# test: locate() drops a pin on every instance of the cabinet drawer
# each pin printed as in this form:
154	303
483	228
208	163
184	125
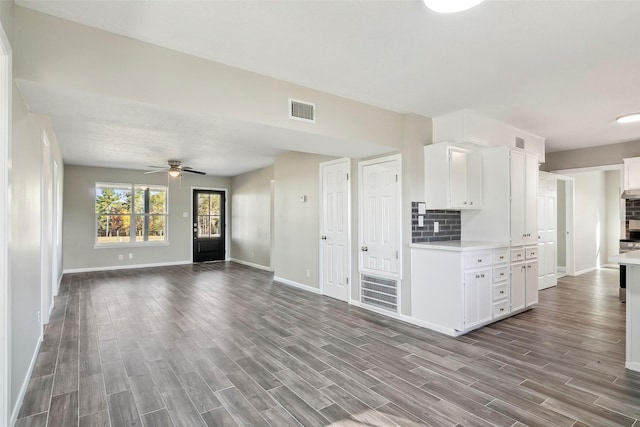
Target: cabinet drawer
531	252
500	274
517	255
501	256
500	292
500	309
477	260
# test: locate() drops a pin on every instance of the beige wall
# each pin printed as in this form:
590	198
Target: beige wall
251	217
79	218
590	157
53	51
296	226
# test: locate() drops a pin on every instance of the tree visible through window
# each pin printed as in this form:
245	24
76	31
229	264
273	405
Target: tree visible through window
122	218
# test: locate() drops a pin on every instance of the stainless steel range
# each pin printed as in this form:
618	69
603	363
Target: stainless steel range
628	245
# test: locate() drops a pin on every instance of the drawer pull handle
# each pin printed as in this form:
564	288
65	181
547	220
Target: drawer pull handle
480	260
502	309
502	292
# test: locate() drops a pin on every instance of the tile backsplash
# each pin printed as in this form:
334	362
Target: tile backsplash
449	221
633	209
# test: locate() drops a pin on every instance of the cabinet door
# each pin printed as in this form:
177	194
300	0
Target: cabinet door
517	194
474	179
518	277
530	197
632	173
457	178
478	298
531	284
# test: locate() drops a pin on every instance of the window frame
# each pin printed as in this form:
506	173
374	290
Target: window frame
133	215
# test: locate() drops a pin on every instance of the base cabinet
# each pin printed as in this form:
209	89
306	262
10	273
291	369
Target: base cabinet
454	292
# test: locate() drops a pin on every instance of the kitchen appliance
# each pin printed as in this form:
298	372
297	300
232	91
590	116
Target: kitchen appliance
631	243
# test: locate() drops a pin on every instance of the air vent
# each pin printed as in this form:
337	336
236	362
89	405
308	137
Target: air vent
300	110
379	292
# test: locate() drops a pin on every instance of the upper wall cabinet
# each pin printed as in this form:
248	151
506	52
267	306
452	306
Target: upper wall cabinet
469	126
453	176
632	173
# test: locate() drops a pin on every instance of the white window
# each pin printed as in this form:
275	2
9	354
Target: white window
127	213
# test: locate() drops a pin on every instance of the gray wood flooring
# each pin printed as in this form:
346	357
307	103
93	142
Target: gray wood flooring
223	345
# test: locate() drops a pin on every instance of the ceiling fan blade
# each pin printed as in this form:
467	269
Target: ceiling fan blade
156	171
193	171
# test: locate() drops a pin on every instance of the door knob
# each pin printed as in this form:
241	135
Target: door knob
323	237
364	249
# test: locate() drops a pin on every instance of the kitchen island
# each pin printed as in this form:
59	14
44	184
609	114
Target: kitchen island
632	261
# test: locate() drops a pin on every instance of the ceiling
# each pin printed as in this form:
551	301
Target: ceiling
563	70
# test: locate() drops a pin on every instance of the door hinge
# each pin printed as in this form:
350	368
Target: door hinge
347	280
396	254
347	177
396	177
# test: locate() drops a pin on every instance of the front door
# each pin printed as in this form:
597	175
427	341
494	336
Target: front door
208	225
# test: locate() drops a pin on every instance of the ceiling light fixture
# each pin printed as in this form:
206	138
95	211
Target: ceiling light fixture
451	6
629	118
174	172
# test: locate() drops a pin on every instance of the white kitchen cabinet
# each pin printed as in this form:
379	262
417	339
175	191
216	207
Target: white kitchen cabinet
453	176
631	173
478	297
524	193
510	183
459	286
524	280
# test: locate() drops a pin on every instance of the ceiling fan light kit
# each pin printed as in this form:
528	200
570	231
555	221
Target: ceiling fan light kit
451	6
175	169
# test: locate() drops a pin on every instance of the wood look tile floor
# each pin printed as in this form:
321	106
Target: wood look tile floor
223	345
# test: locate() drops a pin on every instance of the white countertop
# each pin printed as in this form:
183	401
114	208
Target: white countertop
629	258
460	245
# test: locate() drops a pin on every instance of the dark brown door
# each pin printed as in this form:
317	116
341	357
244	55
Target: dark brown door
208	225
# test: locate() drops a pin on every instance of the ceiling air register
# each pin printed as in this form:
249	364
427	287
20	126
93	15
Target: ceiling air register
300	110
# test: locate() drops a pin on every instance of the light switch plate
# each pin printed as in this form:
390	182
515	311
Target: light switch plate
420	220
303	198
422	208
436	227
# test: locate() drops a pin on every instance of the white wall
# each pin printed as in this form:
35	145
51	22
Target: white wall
79	252
25	241
613	191
251	218
590	220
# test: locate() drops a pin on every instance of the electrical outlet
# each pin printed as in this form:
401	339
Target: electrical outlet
308	273
120	257
130	255
436	227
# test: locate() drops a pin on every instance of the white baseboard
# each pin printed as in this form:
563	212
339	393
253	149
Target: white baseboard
610	266
634	366
124	267
25	383
586	270
297	285
250	264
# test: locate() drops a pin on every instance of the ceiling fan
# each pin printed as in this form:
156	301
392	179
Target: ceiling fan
175	169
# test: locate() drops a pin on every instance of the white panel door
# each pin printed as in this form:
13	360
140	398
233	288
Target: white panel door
380	216
335	253
547	232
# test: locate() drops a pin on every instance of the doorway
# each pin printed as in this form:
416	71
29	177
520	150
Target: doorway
209	225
